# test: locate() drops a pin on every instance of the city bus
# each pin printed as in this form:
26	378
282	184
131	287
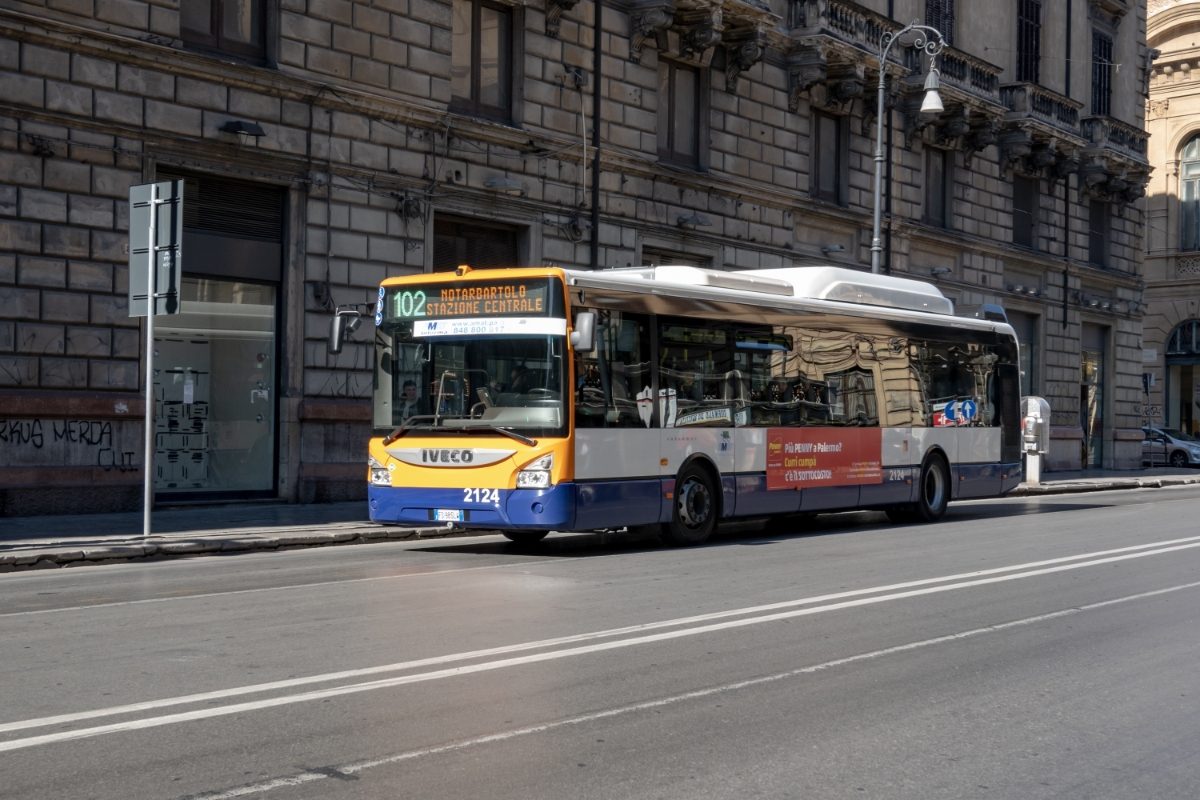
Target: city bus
674	398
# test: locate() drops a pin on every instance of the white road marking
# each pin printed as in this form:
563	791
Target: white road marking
500	736
261	589
238	691
635	636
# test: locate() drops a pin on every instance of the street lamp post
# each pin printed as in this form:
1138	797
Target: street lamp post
930	40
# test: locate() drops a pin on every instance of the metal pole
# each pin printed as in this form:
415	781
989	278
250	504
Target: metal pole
877	219
930	40
151	298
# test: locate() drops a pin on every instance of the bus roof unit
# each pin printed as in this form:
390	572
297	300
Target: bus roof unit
816	283
867	288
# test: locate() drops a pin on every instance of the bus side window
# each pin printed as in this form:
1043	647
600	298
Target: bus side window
608	378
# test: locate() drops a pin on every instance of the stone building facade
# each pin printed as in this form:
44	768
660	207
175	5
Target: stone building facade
1171	343
327	144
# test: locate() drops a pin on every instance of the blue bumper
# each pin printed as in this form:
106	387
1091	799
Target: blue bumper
536	509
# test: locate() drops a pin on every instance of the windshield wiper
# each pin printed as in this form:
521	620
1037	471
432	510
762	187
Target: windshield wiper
520	437
407	426
413	422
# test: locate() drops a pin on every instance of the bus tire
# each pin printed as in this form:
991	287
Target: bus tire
694	508
525	537
933	494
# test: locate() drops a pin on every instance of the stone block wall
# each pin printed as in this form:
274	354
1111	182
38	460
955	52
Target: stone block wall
355	103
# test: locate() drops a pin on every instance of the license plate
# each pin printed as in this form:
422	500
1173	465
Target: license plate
448	515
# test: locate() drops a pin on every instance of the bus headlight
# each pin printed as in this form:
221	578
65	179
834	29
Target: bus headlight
379	474
536	474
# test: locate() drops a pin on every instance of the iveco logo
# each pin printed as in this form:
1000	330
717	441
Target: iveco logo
447	456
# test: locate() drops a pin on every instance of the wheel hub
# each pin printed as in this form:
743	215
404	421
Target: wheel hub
695	505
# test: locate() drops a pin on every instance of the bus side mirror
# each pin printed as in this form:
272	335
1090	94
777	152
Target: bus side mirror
345	321
583	338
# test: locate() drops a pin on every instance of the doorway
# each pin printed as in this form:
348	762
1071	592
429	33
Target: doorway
215	391
216	362
1183	378
1092	358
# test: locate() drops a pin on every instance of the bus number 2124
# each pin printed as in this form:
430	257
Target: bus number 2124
481	496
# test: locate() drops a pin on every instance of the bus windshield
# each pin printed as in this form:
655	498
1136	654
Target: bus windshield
478	355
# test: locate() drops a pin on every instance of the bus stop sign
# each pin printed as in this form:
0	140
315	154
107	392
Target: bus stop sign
155	247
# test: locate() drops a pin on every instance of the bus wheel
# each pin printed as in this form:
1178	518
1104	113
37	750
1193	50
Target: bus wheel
525	537
694	517
933	495
934	492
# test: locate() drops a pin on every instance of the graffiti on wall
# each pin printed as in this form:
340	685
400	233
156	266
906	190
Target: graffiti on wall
36	442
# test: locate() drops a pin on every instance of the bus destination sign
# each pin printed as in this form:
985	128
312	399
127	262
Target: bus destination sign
530	298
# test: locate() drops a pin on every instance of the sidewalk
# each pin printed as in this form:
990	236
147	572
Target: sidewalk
80	539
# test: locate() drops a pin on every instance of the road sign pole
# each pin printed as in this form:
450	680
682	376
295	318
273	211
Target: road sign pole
151	300
155	280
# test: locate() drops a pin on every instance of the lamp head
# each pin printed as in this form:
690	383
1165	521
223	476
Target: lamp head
932	104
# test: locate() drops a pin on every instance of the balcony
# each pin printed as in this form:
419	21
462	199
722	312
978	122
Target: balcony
1046	109
835	37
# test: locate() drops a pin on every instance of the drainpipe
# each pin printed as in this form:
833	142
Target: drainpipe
597	55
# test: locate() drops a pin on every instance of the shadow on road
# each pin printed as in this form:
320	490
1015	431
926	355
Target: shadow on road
744	533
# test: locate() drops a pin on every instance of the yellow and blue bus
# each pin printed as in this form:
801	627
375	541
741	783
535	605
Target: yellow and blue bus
534	400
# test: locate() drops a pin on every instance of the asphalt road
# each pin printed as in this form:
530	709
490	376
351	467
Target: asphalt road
1026	648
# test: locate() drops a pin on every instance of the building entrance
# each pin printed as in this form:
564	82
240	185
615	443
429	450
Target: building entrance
1183	378
216	370
214	390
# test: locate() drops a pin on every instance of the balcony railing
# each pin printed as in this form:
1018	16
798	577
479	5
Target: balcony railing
1029	101
851	24
1116	135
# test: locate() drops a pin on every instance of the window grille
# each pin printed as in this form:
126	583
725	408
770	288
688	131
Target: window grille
1029	40
940	14
1102	71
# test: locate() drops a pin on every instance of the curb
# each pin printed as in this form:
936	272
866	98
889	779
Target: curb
1066	487
55	555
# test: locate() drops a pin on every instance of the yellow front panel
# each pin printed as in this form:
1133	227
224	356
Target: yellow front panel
447	463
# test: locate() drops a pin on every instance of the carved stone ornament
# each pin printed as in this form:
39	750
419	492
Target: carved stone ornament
1043	156
915	122
983	134
1016	143
1102	180
554	12
648	18
1156	109
700	29
806	66
1066	164
844	84
1110	11
953	127
743	49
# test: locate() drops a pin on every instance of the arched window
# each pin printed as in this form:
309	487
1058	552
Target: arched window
1185	339
1189	195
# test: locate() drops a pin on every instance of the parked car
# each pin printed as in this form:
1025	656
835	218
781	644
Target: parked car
1169	446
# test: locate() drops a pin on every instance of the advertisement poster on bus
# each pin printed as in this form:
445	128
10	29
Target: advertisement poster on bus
804	457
